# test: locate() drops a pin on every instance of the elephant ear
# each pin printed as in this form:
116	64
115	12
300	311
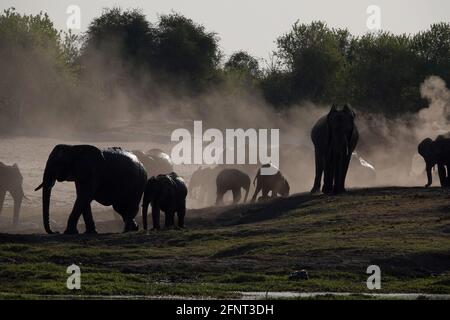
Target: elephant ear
332	111
349	110
424	147
87	160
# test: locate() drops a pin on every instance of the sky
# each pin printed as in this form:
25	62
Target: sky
254	25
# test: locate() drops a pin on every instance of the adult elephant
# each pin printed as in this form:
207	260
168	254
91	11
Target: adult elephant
111	177
437	152
11	181
234	180
166	192
275	183
335	137
155	162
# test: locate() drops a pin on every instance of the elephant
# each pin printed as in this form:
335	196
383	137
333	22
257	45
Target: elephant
437	152
155	162
166	192
202	185
335	137
110	176
275	182
234	180
11	181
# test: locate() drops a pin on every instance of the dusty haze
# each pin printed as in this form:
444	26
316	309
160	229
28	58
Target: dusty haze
142	115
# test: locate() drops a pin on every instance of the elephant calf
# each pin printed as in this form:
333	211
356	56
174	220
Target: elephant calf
234	180
166	192
11	181
276	183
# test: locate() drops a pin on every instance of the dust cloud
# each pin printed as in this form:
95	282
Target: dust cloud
107	107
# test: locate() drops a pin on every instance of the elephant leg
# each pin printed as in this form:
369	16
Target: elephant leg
2	199
219	197
328	177
255	194
237	195
169	221
131	213
131	225
17	204
265	192
319	171
155	216
442	175
181	212
88	220
343	174
75	216
127	214
274	194
447	180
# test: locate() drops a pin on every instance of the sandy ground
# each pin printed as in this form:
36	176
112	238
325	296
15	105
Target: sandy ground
31	153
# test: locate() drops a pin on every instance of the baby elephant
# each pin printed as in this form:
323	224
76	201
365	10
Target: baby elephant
166	192
274	182
234	180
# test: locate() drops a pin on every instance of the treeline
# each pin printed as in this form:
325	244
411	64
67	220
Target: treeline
379	72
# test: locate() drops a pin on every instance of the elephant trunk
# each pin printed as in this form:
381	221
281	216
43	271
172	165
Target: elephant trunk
17	204
46	192
46	186
429	175
341	152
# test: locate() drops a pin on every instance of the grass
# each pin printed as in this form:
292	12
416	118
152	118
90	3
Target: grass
251	248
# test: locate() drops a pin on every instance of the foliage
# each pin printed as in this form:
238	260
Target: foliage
30	46
123	51
378	72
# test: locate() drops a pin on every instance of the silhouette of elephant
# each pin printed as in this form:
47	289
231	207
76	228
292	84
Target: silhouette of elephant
335	137
437	152
234	180
275	182
202	185
111	177
166	192
11	181
155	162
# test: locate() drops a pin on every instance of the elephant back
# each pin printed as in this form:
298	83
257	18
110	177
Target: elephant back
155	161
173	182
124	169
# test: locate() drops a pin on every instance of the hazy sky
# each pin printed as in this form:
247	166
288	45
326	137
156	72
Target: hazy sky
253	25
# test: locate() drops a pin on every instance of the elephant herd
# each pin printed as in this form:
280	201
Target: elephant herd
119	178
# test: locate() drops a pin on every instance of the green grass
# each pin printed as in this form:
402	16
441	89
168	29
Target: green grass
251	248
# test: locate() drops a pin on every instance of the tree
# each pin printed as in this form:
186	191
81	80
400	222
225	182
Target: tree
433	49
35	68
185	52
124	35
313	54
383	74
243	63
